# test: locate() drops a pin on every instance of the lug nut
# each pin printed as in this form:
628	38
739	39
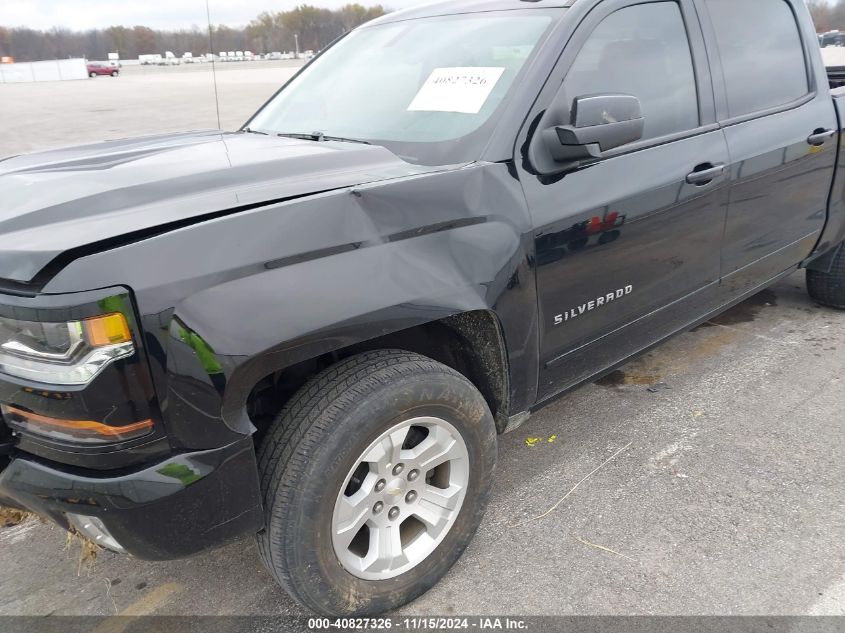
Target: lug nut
380	484
398	468
378	507
411	497
394	512
412	476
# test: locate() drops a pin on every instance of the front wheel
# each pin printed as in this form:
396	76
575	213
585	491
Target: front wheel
114	73
375	478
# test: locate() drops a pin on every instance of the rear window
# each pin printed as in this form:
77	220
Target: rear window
762	54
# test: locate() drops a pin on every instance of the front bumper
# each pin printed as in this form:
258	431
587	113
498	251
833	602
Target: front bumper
178	507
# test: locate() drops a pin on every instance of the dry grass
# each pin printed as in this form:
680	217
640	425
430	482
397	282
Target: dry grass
12	516
88	549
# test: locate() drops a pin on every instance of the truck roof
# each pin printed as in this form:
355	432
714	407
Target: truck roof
453	7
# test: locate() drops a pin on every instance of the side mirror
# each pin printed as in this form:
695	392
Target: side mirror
598	123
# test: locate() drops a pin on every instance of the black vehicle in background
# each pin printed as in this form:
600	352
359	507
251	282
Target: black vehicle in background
314	328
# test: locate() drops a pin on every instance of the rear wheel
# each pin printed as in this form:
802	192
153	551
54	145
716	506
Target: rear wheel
114	73
828	288
92	75
375	478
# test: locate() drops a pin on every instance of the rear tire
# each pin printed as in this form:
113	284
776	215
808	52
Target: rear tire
828	288
359	445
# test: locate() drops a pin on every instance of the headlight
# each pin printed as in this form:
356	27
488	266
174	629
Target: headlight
69	353
74	377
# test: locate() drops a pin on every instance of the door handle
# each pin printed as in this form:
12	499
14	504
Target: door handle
705	174
820	137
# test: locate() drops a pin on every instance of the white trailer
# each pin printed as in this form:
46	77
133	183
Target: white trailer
150	60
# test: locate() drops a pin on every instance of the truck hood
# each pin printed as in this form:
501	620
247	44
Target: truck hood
60	204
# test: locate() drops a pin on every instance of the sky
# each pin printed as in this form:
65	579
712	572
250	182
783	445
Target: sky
158	14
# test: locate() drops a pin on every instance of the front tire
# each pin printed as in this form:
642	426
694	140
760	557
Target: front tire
375	478
828	288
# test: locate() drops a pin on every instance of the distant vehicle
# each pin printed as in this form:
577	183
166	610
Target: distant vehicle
832	38
101	69
188	58
232	57
150	60
7	60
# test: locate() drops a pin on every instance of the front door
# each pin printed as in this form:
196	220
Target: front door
640	230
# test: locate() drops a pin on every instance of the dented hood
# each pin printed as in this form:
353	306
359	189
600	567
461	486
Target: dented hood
69	201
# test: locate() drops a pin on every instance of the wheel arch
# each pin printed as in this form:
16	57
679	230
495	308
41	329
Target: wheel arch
472	343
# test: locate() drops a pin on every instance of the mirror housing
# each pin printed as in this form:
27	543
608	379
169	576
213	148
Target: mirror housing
599	123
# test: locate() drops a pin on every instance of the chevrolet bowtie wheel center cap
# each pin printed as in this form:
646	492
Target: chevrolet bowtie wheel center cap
396	489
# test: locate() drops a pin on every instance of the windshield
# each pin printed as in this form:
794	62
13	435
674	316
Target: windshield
427	89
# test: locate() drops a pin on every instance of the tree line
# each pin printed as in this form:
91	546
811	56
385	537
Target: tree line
269	32
828	16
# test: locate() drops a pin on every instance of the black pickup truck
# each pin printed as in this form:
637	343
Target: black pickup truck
313	329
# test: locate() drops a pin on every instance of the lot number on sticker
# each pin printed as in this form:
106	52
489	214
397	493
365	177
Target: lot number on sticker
463	90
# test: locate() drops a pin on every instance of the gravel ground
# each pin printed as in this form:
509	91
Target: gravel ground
718	492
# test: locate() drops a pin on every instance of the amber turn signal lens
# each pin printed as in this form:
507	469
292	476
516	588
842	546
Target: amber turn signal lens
109	329
78	429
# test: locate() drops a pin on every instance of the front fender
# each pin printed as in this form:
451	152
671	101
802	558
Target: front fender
232	300
355	297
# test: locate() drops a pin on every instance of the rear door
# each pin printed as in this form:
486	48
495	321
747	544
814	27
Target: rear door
775	108
621	240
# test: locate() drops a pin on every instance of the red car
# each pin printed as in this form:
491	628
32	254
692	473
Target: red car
100	69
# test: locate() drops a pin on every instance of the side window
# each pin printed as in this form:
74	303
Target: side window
641	50
761	51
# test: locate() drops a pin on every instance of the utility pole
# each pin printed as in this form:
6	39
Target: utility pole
296	39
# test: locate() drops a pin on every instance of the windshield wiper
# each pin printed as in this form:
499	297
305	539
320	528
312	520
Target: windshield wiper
320	137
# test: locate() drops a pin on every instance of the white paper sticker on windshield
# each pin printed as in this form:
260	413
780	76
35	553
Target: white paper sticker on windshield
464	90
